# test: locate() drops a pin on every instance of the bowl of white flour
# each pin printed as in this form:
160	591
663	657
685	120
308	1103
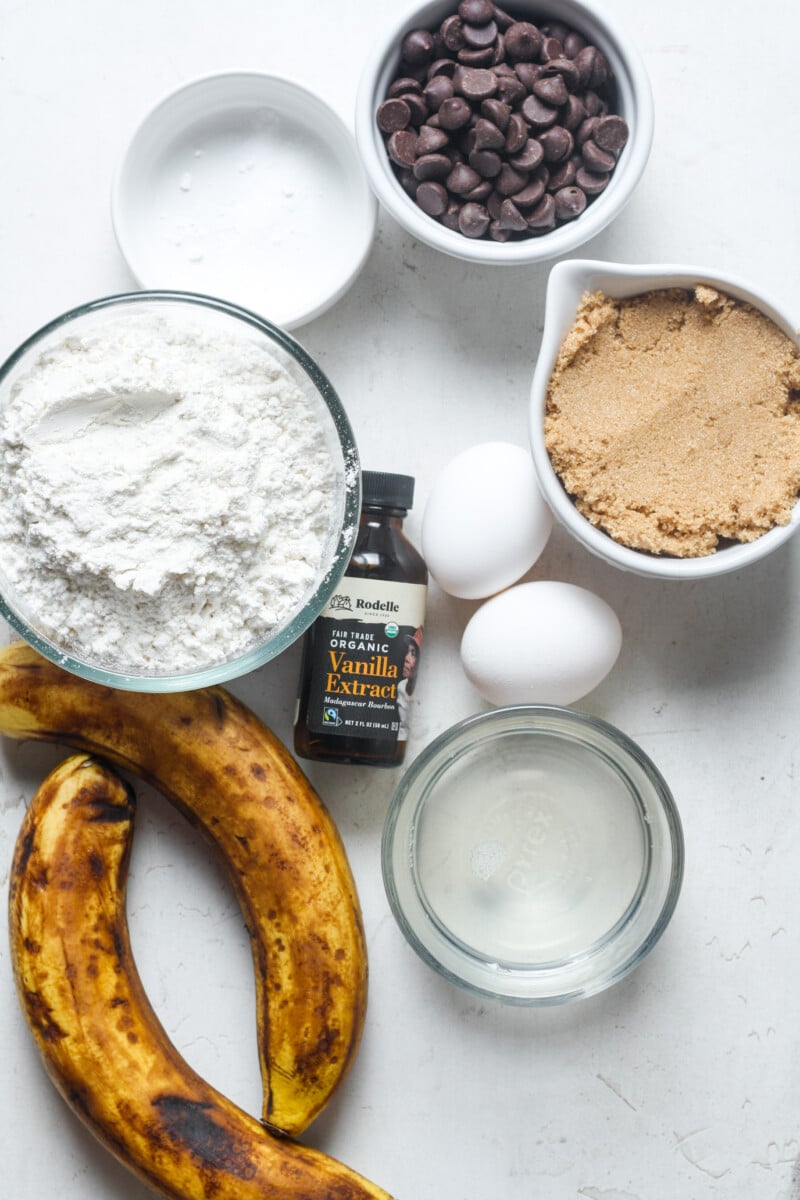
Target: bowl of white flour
179	491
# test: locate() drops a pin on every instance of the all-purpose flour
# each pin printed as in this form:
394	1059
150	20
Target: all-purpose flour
165	493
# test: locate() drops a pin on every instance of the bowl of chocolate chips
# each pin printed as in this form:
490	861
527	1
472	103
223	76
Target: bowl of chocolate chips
504	136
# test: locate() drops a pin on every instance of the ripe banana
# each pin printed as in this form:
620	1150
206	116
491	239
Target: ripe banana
100	1040
234	780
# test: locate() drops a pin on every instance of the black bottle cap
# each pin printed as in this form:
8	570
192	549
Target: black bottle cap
383	490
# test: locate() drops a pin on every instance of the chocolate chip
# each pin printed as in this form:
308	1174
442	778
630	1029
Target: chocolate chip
511	218
570	203
480	36
454	113
402	147
543	175
497	112
510	89
592	102
462	179
488	136
531	194
585	130
499	52
402	86
476	12
573	44
452	31
555	29
481	192
557	143
466	140
476	58
417	48
498	234
450	216
590	183
600	72
584	60
611	134
551	48
523	41
543	216
516	133
600	162
564	174
478	85
537	114
473	220
442	66
494	203
530	156
574	112
432	198
510	181
418	108
393	115
430	140
436	91
432	166
407	181
551	90
528	73
486	162
565	69
503	19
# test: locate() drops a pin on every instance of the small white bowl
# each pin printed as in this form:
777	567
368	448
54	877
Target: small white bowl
248	187
634	103
567	283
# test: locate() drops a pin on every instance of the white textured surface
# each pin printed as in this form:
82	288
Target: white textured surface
683	1082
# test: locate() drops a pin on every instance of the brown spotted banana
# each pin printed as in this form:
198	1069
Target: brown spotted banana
100	1040
234	779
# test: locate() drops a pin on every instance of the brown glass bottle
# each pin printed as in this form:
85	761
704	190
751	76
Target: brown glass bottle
361	656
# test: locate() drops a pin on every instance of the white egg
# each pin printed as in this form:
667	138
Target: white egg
540	643
485	522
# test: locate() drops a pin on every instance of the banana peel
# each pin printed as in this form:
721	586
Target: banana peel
234	780
98	1036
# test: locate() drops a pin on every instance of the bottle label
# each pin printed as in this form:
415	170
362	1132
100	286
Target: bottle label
368	643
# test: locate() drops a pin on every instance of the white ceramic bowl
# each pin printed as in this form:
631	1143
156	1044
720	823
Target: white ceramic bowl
567	283
249	187
635	104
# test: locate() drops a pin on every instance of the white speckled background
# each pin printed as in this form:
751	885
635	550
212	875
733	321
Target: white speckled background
684	1081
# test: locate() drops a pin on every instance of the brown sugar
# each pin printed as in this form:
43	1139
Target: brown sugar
673	419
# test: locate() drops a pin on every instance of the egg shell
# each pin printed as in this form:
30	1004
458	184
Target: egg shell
485	522
540	643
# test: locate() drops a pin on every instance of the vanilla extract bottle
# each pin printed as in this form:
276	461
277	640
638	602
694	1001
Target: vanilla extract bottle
362	655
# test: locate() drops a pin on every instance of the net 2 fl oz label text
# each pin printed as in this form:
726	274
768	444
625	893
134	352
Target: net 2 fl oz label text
367	654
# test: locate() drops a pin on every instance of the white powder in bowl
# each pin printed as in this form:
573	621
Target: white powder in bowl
166	494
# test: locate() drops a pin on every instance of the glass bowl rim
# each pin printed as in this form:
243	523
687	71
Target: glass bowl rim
262	653
517	985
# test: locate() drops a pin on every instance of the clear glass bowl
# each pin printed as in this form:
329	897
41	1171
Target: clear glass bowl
218	316
533	853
